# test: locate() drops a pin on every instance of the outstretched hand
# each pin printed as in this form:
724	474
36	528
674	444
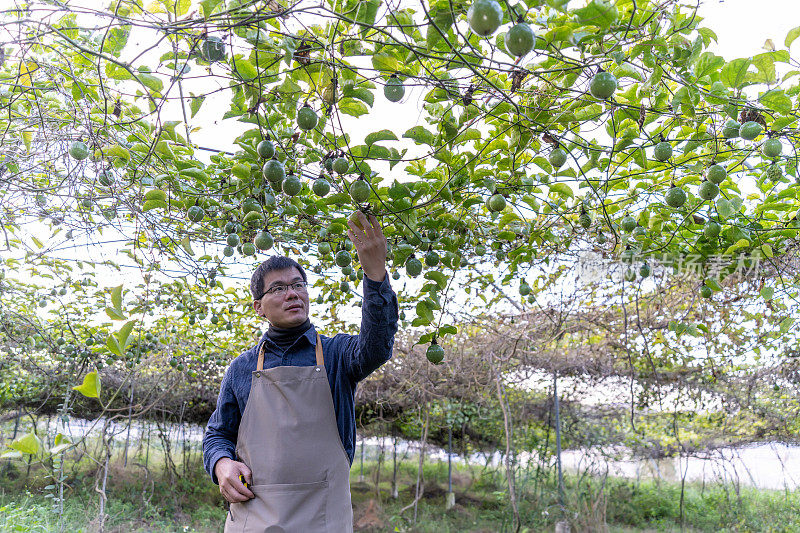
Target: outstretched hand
370	244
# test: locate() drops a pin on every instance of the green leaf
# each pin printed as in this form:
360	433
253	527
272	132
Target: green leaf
117	39
123	334
180	7
776	99
765	63
55	450
734	73
27	137
786	324
626	70
351	106
448	330
438	277
420	135
117	151
724	208
90	386
151	82
708	63
116	297
360	93
424	313
741	243
194	104
116	72
793	34
443	19
113	345
597	13
767	293
60	444
209	6
11	454
383	135
28	443
562	189
386	63
186	244
245	69
115	314
366	13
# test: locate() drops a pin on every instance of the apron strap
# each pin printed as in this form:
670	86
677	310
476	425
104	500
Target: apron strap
320	358
260	365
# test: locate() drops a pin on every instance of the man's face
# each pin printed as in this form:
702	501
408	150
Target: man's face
287	309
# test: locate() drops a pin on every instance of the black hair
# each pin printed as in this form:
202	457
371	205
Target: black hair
276	262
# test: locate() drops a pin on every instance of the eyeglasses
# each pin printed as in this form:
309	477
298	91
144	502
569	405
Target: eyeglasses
280	290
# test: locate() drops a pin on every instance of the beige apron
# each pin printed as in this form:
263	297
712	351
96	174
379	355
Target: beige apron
289	439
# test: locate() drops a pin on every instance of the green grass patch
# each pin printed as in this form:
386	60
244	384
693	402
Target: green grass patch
147	496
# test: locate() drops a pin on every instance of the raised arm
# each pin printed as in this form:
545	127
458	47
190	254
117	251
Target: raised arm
379	312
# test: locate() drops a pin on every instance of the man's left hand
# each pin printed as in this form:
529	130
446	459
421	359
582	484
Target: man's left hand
370	243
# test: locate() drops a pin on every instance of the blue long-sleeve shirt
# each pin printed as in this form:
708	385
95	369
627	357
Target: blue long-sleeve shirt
348	360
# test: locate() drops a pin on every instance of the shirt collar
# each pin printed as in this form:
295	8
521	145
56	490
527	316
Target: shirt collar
310	334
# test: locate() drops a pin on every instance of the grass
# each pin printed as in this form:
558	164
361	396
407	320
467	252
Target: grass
150	499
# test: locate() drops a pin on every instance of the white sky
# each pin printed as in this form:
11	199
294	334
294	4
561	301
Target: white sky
744	25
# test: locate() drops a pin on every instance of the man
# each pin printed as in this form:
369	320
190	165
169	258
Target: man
285	416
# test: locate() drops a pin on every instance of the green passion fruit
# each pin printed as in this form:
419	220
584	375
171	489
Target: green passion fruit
394	89
274	171
705	291
359	191
662	151
340	165
343	258
306	118
413	267
708	190
675	197
485	16
213	49
772	148
196	213
435	354
431	258
603	85
263	240
321	187
731	129
78	150
716	174
750	130
496	202
557	157
628	223
520	39
265	149
711	230
292	185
